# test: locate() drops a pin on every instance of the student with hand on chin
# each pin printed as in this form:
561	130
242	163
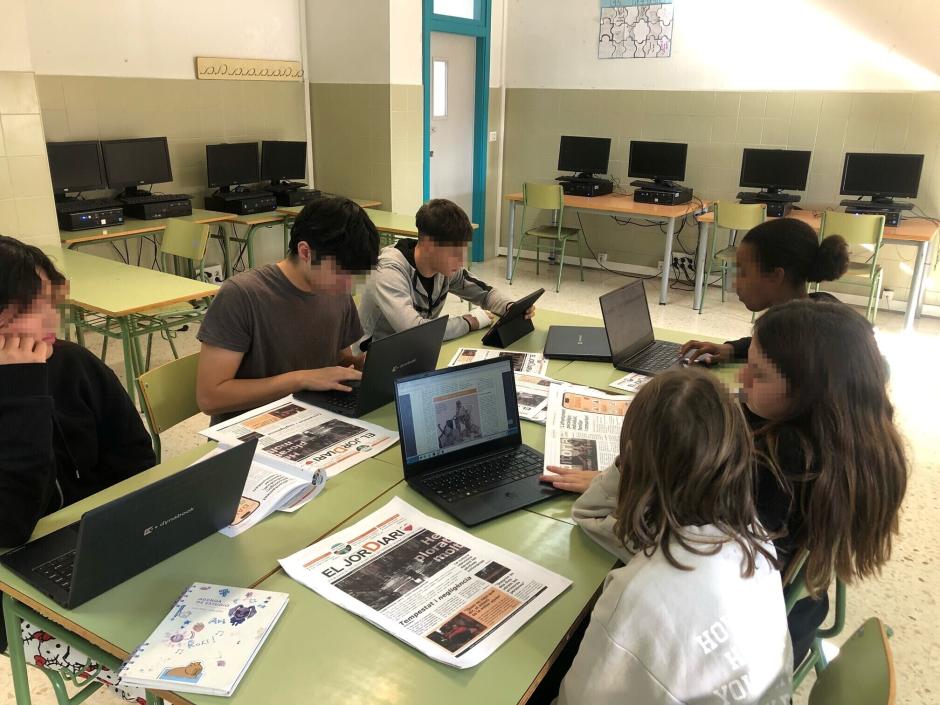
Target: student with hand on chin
413	278
286	327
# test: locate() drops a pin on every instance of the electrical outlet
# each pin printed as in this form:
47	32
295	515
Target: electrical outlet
602	258
887	297
493	136
212	274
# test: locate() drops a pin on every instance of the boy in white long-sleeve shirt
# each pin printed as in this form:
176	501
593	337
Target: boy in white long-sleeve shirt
696	615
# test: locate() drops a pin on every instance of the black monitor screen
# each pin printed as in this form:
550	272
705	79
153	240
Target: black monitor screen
136	162
584	154
75	166
228	164
881	174
657	160
775	168
283	160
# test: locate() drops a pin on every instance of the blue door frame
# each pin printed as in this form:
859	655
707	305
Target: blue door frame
479	28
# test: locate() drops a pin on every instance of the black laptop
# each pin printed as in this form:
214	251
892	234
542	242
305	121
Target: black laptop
408	352
74	564
461	444
630	332
577	343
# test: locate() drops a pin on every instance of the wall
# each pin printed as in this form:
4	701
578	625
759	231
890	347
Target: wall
348	41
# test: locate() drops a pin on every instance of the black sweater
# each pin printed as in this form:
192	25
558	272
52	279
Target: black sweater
67	430
742	344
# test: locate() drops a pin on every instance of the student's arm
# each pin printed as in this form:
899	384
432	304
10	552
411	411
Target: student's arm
27	462
725	352
217	390
469	288
594	512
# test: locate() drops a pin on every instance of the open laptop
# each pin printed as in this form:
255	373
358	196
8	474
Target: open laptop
74	564
630	332
408	352
461	443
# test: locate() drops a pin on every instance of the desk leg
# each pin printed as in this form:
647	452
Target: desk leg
16	652
917	282
931	257
132	363
250	246
667	262
512	235
226	253
700	266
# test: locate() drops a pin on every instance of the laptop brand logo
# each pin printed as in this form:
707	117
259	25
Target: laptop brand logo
150	529
580	340
403	365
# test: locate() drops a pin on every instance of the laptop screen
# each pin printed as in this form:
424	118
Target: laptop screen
627	319
457	411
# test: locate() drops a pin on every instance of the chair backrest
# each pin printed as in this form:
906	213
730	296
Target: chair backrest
794	582
169	393
543	196
857	229
185	239
862	673
739	216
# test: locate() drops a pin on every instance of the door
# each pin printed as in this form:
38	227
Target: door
453	83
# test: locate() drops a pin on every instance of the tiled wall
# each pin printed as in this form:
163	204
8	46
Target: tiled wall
26	206
717	126
407	129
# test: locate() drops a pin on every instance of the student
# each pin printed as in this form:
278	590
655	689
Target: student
774	264
286	327
696	614
413	278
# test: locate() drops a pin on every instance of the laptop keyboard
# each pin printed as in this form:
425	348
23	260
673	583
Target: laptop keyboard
347	401
59	570
481	476
656	357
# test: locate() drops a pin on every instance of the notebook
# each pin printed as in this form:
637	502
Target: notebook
207	641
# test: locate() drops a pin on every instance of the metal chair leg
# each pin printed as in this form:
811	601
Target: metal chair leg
561	264
580	258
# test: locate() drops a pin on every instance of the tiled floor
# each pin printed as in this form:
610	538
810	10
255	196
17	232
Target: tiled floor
904	595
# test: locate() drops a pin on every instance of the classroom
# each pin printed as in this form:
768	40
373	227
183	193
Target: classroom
356	351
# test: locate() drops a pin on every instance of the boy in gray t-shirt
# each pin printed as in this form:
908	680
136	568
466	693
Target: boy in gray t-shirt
285	327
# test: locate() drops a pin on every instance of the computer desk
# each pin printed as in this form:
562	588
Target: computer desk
614	204
915	232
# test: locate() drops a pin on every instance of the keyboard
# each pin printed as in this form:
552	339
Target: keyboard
241	195
90	204
59	570
155	198
346	401
656	358
479	476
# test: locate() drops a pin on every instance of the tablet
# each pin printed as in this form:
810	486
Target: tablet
513	324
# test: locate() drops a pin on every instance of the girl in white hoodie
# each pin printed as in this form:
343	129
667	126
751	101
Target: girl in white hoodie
697	614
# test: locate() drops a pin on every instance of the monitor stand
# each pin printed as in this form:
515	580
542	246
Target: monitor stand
133	192
64	197
879	204
770	195
661	185
585	177
280	186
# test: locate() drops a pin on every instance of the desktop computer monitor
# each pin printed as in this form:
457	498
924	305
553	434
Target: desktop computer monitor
282	161
881	176
230	164
75	166
130	163
585	155
660	161
775	170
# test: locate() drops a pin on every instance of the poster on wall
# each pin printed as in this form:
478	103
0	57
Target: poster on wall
635	29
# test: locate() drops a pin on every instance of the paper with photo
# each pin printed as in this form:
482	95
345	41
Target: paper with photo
439	589
268	490
631	382
529	363
296	436
532	396
582	429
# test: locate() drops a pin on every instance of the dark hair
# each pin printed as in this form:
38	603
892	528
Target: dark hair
20	282
855	466
444	222
794	246
686	459
337	227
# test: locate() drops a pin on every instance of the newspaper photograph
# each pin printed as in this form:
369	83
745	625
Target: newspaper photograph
532	396
268	490
529	363
631	382
582	429
296	436
439	589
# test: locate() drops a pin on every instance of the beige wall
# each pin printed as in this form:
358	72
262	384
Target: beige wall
26	207
717	126
407	130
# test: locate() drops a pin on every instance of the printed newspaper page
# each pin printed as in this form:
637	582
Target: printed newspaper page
583	427
268	490
530	363
532	396
296	436
448	594
631	382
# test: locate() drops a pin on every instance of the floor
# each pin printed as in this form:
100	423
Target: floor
904	596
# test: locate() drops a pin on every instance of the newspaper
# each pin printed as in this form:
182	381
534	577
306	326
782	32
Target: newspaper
631	382
300	437
583	427
532	396
530	363
442	591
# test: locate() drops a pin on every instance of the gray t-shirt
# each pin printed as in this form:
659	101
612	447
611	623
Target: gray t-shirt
278	327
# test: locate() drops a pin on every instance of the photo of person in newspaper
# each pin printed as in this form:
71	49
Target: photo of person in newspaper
579	453
456	632
458	417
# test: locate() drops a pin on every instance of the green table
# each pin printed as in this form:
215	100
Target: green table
349	661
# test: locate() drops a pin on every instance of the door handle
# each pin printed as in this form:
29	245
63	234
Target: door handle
432	153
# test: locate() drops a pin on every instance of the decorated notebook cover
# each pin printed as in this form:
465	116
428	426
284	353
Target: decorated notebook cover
207	641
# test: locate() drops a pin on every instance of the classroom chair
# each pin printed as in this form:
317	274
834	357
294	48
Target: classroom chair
864	235
549	197
862	673
733	217
168	395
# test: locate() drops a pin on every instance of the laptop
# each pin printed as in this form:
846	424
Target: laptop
630	332
577	343
461	443
75	564
408	352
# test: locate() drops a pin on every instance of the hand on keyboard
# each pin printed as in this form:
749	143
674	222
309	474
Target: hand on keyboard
326	378
569	479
